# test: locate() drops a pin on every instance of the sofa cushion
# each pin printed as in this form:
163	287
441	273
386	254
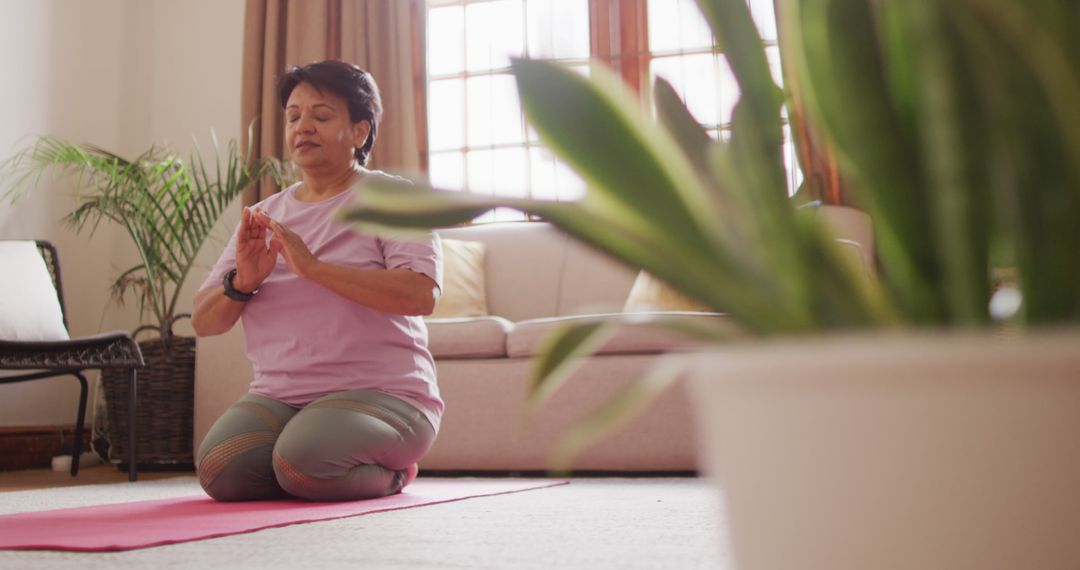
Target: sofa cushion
468	337
528	337
651	294
526	259
589	283
463	292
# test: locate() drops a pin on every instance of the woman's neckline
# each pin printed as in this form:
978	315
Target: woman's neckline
296	188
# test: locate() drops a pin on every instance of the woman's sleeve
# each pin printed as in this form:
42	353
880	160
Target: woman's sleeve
422	255
224	263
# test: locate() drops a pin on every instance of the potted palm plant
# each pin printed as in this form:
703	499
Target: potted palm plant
168	207
955	124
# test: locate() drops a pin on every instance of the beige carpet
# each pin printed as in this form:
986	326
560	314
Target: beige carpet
591	523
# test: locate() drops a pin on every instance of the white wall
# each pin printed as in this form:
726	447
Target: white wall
122	74
191	106
185	83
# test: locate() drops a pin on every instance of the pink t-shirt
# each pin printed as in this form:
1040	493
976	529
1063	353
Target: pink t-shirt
305	341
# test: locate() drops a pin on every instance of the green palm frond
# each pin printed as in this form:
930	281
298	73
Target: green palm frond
167	206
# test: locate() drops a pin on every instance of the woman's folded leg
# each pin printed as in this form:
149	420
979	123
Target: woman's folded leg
234	462
352	445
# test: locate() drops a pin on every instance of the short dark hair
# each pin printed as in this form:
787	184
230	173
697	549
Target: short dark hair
356	86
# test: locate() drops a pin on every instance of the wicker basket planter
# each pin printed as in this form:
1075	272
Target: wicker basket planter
164	406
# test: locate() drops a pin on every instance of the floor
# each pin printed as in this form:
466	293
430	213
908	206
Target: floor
594	522
94	475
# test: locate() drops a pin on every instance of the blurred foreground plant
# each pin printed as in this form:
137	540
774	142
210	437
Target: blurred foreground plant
955	122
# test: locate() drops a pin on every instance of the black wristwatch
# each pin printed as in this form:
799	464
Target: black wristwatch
233	293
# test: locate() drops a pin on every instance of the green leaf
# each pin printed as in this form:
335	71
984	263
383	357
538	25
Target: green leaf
1046	55
950	113
850	99
690	135
718	281
738	38
1035	181
631	168
582	336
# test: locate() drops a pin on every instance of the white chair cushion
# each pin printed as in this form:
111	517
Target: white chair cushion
29	307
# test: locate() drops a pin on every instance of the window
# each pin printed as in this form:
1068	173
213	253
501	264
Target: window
681	50
477	136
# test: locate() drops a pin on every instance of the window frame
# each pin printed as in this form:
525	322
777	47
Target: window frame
618	38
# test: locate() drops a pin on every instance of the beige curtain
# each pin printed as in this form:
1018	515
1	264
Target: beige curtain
382	36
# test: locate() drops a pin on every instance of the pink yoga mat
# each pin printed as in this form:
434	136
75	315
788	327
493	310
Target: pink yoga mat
128	526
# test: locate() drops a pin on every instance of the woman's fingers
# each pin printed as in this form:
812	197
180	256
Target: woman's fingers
282	241
290	245
259	222
245	223
279	229
266	221
274	226
251	225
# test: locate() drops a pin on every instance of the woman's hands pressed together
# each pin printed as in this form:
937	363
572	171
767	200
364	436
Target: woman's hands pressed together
398	291
214	312
255	258
291	246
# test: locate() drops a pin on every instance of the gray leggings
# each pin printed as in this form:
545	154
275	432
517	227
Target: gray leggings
344	446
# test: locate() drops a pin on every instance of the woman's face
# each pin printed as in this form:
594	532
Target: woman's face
318	130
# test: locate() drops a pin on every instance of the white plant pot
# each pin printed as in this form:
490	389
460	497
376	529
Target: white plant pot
883	452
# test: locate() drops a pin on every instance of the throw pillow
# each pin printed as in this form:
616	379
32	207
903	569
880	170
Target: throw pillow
29	308
651	294
464	293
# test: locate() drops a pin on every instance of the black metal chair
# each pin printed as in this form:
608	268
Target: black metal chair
47	359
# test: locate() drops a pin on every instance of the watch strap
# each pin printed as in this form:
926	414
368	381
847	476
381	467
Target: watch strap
231	292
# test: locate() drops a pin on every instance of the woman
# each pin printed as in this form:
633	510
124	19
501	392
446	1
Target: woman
343	402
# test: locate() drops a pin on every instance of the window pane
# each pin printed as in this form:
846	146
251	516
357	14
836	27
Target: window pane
446	40
552	179
705	83
558	29
499	172
510	171
762	11
677	25
446	120
447	170
494	32
494	111
727	88
694	29
663	25
542	170
500	215
773	55
791	162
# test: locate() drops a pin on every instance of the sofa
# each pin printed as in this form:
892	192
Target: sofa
536	279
